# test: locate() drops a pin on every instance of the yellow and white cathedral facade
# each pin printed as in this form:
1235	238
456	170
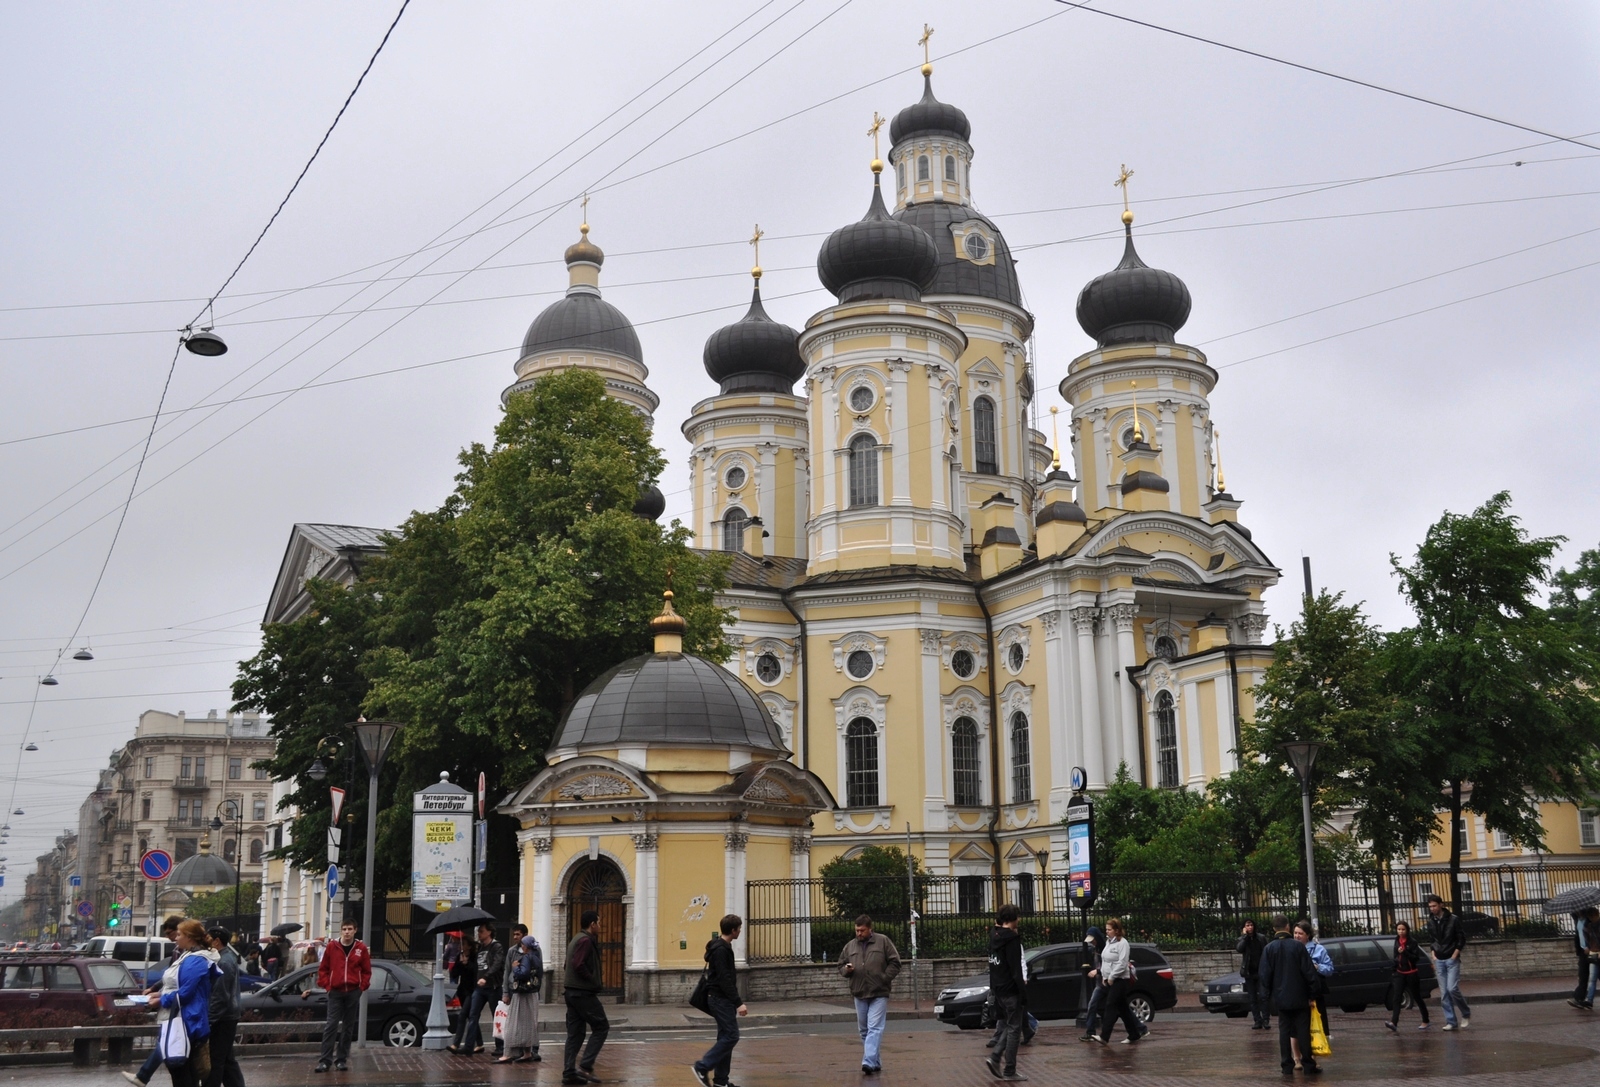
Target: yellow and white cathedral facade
937	616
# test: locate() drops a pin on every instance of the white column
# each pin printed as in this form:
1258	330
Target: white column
1168	417
1065	748
940	498
933	802
1122	616
800	898
1195	772
1094	763
646	895
733	888
766	497
899	410
542	893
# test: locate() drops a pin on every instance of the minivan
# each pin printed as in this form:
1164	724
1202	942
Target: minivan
137	952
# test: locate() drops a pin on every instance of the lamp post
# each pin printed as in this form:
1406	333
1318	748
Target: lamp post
374	738
1303	756
317	772
238	846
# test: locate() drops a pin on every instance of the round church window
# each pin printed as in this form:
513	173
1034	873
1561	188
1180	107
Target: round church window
768	668
859	664
976	245
1017	657
734	478
1166	648
962	664
861	399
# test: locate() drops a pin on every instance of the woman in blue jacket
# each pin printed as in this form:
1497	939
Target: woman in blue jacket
186	991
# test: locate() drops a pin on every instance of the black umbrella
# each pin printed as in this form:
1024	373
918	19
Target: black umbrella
461	917
1573	900
284	930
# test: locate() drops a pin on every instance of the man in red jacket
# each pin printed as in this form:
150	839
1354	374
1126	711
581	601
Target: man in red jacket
344	973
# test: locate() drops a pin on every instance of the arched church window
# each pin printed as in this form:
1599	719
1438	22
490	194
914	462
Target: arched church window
863	471
1021	759
983	439
227	851
861	763
1166	741
964	763
1166	648
255	850
900	172
922	167
949	167
734	523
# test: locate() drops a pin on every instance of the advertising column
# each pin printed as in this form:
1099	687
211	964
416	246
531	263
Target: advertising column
441	876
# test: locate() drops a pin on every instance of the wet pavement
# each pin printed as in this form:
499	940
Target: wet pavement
1509	1045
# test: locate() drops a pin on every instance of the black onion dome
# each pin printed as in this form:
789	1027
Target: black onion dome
878	257
929	117
673	699
754	354
957	276
1133	302
582	321
651	504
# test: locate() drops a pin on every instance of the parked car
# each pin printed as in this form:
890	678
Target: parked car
397	1007
1362	967
61	981
1474	925
1058	987
137	952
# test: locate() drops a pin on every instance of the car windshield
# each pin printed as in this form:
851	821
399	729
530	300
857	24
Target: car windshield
110	974
407	976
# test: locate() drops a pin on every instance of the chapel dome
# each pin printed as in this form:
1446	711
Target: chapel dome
1133	303
204	869
671	699
929	117
754	354
582	320
878	256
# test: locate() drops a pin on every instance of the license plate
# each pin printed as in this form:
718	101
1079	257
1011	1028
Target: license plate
938	1009
1213	999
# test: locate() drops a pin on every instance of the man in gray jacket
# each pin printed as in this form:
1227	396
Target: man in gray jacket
224	1013
870	963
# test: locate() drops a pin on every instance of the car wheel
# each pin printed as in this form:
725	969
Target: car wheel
403	1032
1142	1007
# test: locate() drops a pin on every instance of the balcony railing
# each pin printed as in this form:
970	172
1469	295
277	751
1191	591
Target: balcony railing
190	783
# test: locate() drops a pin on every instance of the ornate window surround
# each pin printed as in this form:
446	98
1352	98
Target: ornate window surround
966	701
863	640
961	639
754	649
1015	634
1158	628
782	711
861	701
1017	697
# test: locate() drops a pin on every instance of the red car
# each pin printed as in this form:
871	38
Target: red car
61	981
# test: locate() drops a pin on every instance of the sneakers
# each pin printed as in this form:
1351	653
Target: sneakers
1448	1026
341	1066
702	1078
322	1066
1423	1026
1013	1076
1391	1028
1084	1037
1134	1040
993	1066
1464	1024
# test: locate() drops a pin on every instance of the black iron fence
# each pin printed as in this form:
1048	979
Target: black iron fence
810	920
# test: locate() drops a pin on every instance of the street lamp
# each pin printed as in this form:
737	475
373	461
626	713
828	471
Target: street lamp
238	847
374	738
1303	756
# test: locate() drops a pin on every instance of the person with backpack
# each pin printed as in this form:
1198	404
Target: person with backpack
524	975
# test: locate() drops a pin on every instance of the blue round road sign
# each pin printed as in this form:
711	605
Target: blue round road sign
156	864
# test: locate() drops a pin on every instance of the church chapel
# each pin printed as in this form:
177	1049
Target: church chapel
940	610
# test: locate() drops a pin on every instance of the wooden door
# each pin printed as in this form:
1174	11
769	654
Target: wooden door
598	885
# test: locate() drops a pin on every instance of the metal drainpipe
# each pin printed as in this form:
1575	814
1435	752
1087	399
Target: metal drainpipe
994	736
1139	701
800	687
1233	701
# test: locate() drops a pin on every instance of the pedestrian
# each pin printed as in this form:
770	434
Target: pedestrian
1586	942
186	994
225	1070
1008	984
1444	928
1095	943
581	982
488	974
869	963
251	964
1116	975
463	970
503	994
1407	977
711	1070
344	974
1249	948
524	976
1324	964
1289	979
153	975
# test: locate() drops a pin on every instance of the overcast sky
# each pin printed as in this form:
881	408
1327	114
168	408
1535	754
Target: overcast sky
1399	299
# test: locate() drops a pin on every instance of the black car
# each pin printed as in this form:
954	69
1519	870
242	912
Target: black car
1058	986
397	1007
1362	967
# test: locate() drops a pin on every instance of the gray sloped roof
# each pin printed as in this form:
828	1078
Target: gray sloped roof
958	276
338	537
582	321
669	698
202	870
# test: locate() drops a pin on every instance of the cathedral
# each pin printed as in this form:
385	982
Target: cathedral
942	613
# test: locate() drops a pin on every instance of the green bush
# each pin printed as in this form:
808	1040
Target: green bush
1530	930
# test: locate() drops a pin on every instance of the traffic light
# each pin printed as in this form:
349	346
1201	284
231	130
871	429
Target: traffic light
114	919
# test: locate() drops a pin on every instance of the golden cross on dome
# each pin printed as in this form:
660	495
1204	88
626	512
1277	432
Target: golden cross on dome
877	123
755	240
1122	183
927	33
1138	431
585	227
1055	431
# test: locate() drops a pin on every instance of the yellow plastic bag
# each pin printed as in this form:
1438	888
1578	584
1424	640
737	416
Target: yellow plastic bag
1319	1037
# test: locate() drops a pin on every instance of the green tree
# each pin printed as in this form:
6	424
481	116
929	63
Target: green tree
872	881
1502	692
1575	600
212	904
486	617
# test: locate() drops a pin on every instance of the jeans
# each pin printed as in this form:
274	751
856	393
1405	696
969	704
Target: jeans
719	1057
1096	1006
871	1013
1579	993
1594	977
225	1070
1258	1001
151	1063
1450	998
472	1019
344	1007
1029	1029
584	1011
1294	1023
1015	1014
1116	1007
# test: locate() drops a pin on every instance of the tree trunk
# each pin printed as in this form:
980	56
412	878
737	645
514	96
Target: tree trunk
1455	846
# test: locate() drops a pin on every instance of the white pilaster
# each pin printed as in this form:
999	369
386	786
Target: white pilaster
1195	771
1094	763
1122	616
1065	742
733	884
646	898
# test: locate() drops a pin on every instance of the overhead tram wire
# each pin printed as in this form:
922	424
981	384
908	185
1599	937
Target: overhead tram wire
1081	5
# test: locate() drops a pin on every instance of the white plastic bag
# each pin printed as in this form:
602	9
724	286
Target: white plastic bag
502	1012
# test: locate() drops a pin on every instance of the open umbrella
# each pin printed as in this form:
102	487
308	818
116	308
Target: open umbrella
461	917
286	929
1573	899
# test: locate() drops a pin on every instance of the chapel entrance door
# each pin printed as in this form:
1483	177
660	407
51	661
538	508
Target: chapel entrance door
598	885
